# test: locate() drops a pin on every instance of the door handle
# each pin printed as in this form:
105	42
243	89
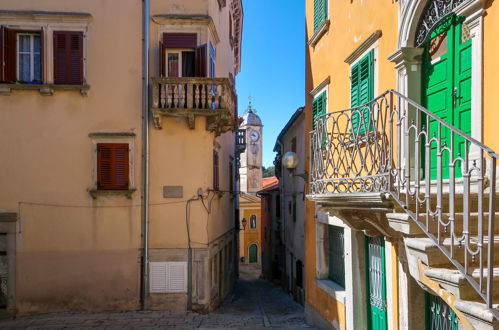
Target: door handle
454	96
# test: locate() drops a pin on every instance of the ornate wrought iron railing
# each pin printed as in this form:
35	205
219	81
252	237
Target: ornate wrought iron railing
193	93
443	178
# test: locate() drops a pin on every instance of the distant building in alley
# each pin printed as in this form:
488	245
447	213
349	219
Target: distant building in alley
272	261
250	173
101	208
292	204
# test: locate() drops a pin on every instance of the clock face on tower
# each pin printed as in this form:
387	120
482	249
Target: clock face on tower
254	136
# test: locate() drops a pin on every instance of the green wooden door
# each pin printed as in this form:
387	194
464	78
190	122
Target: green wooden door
253	253
376	283
447	89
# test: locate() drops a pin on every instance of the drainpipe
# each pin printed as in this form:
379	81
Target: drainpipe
144	292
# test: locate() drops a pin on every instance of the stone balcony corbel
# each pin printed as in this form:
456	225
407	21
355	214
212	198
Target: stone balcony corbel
363	211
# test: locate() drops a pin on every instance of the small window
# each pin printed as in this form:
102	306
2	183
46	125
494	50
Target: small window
113	166
253	222
180	55
293	144
21	56
299	273
278	206
29	58
320	13
216	171
294	208
336	255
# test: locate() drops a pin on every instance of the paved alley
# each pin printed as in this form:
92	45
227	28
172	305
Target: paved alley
255	304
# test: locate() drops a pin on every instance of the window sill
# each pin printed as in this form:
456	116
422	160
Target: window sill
332	289
99	193
44	89
323	28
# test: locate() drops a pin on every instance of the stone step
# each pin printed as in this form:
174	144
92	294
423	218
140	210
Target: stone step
453	281
402	222
425	249
479	315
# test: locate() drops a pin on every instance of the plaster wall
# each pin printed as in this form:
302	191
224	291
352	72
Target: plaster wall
74	252
490	74
351	24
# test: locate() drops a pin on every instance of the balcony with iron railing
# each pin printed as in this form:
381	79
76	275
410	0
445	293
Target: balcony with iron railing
188	98
394	156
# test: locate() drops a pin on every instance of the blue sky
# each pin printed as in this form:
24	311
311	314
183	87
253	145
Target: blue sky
273	64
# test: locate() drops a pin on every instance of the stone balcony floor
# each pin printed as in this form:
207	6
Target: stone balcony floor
255	304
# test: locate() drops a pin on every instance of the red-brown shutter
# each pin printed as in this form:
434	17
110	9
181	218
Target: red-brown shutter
68	57
216	171
180	40
112	166
7	55
201	58
162	59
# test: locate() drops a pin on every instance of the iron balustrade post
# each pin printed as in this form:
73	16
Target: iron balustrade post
490	252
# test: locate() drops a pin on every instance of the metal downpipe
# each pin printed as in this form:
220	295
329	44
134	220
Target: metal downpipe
144	292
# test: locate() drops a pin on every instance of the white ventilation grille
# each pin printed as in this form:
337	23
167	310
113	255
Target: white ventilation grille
168	277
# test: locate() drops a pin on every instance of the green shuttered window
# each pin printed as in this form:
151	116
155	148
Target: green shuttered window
362	91
319	106
320	13
336	253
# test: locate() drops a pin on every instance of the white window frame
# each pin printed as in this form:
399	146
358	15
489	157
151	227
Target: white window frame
177	51
31	52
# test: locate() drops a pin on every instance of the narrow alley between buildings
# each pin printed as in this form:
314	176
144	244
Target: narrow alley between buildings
255	304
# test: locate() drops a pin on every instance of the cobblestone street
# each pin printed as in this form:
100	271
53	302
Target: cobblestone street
255	304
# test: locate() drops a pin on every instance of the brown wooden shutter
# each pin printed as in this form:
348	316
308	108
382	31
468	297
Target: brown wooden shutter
201	58
68	57
216	171
162	59
7	55
112	166
180	40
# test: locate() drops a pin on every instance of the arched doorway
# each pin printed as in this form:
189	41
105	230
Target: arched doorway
253	253
446	87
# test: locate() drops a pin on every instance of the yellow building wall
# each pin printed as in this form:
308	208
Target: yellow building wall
248	235
75	252
352	22
490	76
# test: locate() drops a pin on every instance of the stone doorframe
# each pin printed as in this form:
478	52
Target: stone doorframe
408	58
8	225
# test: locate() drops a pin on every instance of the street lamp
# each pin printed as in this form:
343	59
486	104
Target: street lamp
290	161
244	221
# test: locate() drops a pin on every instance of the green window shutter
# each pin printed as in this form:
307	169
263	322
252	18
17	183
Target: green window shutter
362	91
320	13
319	107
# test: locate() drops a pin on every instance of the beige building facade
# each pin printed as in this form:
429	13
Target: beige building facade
72	211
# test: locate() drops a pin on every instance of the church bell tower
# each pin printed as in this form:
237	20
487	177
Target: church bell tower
251	159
